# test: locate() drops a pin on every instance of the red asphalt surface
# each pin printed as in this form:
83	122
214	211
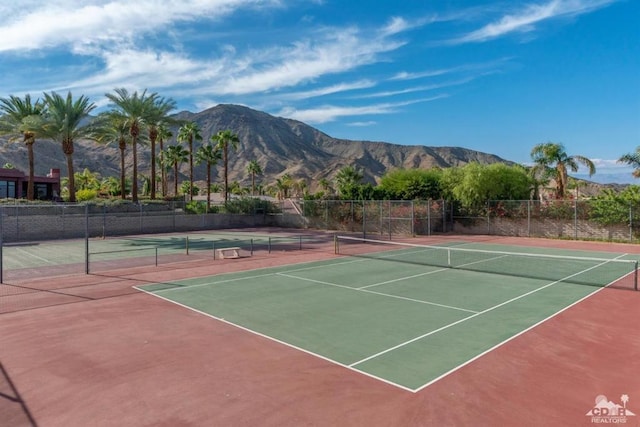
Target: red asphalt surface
98	353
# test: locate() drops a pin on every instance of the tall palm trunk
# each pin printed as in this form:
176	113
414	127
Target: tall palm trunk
153	135
134	131
208	185
226	173
175	179
67	149
163	173
122	145
29	139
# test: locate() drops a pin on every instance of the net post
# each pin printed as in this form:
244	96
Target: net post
300	242
269	244
336	250
251	241
156	256
186	244
635	276
213	245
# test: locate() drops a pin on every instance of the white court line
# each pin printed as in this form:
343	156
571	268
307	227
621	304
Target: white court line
286	344
422	387
376	293
430	272
257	276
324	264
36	256
352	366
373	356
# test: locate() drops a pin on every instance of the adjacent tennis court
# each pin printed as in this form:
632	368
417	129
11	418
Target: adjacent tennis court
404	314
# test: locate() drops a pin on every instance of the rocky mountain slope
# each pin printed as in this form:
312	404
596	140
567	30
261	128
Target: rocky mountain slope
279	145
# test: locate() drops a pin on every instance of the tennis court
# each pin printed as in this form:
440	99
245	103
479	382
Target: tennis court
39	259
404	314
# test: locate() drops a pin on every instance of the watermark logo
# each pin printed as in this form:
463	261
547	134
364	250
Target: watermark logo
607	411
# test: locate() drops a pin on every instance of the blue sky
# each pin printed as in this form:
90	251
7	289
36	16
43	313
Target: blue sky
493	76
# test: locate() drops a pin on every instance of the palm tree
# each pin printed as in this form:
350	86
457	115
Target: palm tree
633	160
347	179
87	180
552	158
223	139
163	134
174	155
112	127
63	123
188	133
254	169
135	109
20	119
210	155
156	119
283	185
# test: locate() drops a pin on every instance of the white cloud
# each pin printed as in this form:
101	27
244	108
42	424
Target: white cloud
362	124
45	24
304	61
328	90
525	20
416	89
328	113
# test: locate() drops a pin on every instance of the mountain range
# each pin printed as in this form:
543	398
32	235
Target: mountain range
279	145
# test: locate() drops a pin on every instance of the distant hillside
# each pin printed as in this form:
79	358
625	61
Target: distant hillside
279	145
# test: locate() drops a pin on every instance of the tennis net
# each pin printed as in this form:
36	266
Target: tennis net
615	272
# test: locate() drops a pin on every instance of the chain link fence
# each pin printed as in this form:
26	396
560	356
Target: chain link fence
567	219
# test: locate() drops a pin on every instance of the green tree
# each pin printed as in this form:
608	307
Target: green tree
254	169
135	110
20	118
175	155
348	179
164	133
111	186
223	140
474	184
633	160
209	155
411	184
87	180
188	133
550	156
283	185
157	120
63	122
111	127
326	187
614	207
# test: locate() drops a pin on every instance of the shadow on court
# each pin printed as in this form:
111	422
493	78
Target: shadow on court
13	408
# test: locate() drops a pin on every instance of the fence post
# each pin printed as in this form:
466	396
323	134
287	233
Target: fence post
413	219
630	222
575	219
429	217
528	218
488	217
364	221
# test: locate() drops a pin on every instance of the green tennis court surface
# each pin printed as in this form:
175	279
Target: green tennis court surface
387	315
50	253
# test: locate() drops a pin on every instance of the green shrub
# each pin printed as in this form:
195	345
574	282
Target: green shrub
86	195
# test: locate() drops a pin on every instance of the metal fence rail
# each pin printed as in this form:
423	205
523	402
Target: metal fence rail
571	219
